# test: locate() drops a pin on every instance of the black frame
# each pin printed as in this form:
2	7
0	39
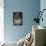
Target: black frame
19	16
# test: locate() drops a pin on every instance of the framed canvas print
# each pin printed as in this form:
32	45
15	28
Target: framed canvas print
17	18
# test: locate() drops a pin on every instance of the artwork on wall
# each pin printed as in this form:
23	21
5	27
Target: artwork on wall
40	16
17	18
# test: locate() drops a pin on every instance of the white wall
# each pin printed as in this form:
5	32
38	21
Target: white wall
1	20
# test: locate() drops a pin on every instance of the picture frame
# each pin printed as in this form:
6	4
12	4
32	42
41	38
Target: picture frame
17	18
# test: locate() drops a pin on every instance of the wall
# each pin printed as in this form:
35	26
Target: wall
1	20
29	7
43	6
